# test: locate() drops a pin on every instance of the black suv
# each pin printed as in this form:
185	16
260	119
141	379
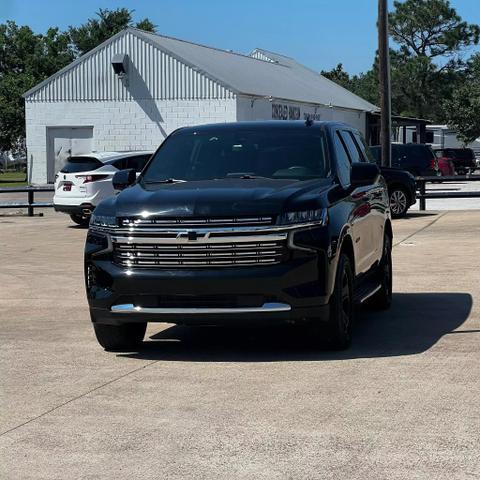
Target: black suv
242	223
401	185
416	158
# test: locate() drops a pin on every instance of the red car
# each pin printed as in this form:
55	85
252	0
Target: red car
463	159
446	166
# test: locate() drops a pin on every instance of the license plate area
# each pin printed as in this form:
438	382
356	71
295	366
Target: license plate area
67	187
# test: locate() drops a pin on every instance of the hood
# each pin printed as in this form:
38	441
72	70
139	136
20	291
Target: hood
223	197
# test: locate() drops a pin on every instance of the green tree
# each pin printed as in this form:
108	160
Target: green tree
109	22
364	85
25	59
431	37
462	110
430	28
426	66
338	75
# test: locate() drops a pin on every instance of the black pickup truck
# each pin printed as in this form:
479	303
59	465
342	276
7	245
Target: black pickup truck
242	223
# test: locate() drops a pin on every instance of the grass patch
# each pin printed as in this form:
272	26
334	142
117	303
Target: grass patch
12	179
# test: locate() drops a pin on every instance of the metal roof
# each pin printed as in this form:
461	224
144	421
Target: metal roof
328	87
269	75
283	78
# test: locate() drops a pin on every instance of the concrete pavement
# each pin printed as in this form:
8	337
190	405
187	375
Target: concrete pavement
402	403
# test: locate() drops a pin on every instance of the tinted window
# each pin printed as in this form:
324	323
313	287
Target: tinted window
81	164
137	163
272	153
343	161
420	153
362	144
461	153
352	148
376	153
119	163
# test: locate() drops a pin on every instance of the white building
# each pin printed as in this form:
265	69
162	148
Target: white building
158	84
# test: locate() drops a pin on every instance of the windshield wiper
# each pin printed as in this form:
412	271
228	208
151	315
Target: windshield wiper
247	176
166	180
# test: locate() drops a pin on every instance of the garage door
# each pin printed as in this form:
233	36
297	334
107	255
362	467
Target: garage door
62	143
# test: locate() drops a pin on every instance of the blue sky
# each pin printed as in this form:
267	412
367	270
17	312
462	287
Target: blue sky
318	33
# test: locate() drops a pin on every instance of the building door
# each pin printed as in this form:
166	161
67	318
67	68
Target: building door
64	142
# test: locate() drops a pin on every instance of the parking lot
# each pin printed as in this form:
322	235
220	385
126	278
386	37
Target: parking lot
403	402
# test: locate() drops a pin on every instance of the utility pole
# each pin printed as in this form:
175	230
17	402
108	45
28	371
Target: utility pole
384	83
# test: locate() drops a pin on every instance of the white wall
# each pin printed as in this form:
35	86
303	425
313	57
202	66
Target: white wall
263	109
117	125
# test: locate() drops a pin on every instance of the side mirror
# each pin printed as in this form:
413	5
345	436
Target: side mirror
363	174
124	178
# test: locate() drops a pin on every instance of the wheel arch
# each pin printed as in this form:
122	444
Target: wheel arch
346	247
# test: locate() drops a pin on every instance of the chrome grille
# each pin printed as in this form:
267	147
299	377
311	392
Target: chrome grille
224	253
147	223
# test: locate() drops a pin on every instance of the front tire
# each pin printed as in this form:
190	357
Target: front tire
82	220
120	337
398	202
340	324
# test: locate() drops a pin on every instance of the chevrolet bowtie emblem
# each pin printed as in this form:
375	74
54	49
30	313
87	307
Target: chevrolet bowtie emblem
192	236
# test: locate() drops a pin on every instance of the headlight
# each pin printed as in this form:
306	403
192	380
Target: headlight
318	216
102	221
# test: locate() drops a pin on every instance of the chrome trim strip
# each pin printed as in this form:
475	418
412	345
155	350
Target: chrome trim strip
182	221
211	230
266	307
179	239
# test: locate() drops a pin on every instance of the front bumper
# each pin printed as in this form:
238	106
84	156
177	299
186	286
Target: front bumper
292	291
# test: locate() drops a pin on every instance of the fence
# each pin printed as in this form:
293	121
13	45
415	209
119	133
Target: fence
30	204
423	195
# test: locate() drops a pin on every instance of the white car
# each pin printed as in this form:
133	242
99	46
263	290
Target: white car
86	179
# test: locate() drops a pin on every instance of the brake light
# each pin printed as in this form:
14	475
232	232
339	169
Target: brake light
92	178
434	163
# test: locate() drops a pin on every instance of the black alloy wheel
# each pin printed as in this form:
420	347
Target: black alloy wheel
340	324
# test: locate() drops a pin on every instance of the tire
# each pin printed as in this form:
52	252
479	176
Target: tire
340	323
82	220
120	337
382	300
399	204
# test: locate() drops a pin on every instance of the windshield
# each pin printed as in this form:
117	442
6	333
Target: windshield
273	153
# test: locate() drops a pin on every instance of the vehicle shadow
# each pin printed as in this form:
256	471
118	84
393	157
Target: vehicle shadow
415	322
